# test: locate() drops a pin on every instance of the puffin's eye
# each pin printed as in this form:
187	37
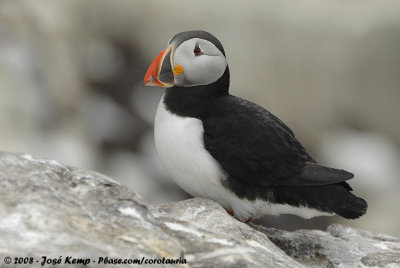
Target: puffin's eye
197	51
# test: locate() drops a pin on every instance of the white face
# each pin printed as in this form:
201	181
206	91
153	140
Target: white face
201	68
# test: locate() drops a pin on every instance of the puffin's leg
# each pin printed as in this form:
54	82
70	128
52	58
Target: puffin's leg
230	213
233	215
248	220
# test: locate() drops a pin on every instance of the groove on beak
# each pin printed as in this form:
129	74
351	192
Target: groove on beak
159	73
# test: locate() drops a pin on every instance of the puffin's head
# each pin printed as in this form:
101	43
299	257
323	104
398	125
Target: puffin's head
192	58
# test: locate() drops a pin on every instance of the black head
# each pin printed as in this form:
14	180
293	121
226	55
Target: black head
184	36
192	58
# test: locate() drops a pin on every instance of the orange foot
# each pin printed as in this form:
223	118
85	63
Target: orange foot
233	215
230	213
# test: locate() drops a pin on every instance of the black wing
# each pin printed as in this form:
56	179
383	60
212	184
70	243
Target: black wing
256	148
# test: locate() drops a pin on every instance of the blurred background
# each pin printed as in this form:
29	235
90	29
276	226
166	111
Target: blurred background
71	86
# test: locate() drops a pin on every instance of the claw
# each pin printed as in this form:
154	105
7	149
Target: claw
233	215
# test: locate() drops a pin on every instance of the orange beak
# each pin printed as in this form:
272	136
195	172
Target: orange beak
160	74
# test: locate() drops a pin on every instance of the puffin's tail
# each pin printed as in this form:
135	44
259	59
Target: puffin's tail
338	198
326	189
335	198
350	207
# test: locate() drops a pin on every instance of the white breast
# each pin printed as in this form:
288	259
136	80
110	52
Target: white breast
179	142
180	145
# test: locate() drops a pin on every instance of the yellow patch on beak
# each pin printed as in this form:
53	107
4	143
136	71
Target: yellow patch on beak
177	69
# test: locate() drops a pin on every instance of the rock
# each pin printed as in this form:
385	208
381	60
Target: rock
211	237
338	246
49	209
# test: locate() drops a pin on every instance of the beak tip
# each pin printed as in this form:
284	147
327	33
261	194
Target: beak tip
150	82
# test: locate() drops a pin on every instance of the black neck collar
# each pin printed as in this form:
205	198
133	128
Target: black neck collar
192	101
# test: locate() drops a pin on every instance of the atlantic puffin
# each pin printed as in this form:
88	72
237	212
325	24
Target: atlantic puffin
221	147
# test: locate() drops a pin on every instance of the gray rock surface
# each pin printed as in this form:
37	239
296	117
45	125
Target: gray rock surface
338	246
49	209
